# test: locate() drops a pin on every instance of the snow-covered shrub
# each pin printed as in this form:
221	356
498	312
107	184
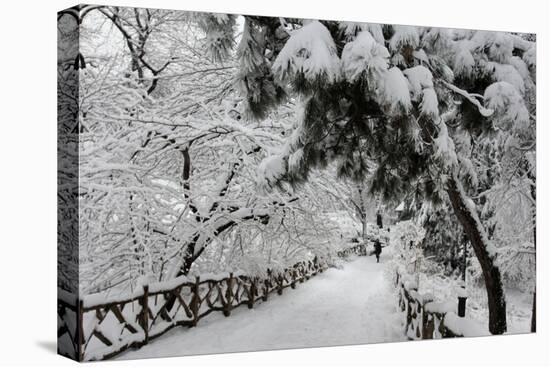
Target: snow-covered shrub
405	237
518	266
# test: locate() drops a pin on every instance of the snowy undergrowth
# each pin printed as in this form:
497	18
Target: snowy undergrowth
446	288
432	280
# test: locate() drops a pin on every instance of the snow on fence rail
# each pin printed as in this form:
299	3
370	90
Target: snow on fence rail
426	319
359	250
96	328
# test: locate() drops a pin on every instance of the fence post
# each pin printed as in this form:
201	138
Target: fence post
409	315
266	290
427	325
252	293
428	322
462	297
418	319
280	284
195	301
80	330
293	275
267	284
144	317
228	296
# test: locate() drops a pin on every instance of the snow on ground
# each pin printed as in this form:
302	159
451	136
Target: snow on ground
518	308
353	305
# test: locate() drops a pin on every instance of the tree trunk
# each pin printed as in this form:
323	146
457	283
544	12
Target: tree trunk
379	219
364	224
188	259
534	314
469	219
533	178
361	208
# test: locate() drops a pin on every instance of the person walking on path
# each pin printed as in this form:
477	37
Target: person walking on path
377	249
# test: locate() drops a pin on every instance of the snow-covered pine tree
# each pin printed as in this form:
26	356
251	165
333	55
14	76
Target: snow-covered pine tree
393	97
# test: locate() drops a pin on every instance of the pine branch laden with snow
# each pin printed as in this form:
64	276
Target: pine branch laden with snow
464	62
309	53
429	106
260	94
510	111
352	29
271	170
364	54
219	30
445	148
394	92
419	78
404	36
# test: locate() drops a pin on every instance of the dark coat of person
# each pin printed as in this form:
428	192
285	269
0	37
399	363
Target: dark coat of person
377	247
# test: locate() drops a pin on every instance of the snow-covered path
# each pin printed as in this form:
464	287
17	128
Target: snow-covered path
354	305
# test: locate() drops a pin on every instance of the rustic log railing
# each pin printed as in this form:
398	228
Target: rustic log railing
359	250
96	328
426	319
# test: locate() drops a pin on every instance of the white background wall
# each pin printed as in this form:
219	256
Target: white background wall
28	181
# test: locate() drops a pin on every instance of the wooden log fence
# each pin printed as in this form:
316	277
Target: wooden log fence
358	250
95	328
427	319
